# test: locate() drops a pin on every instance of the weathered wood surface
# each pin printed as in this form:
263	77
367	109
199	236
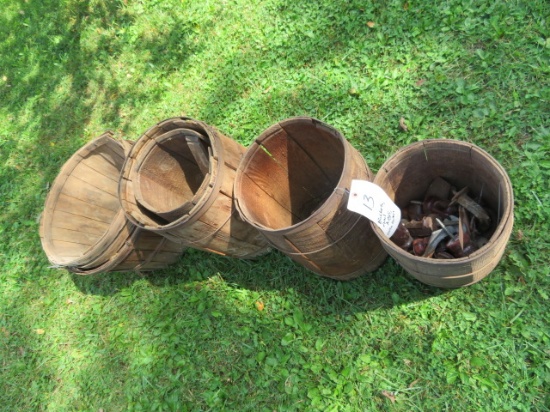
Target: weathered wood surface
168	176
142	251
83	227
82	204
293	183
200	215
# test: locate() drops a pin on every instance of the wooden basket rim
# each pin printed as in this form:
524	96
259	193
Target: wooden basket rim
506	219
207	198
322	210
53	196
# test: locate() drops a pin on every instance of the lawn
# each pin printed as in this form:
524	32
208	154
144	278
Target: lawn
214	333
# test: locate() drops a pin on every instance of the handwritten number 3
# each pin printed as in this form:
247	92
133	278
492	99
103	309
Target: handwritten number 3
368	202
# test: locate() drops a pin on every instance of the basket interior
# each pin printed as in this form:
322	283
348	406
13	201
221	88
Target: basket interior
83	202
408	174
169	175
290	171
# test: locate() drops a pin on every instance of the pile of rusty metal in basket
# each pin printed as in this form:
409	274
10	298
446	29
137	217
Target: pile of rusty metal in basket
446	224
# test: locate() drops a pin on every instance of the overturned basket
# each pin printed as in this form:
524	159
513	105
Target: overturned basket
83	227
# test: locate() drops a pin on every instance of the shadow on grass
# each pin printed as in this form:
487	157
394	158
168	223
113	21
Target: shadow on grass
56	85
60	71
330	30
60	63
387	287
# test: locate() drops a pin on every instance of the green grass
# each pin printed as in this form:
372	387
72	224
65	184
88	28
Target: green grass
191	337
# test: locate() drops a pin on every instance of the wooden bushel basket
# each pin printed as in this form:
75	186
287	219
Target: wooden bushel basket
406	175
83	226
178	182
142	251
293	185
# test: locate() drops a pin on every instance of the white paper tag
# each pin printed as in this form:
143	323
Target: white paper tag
371	201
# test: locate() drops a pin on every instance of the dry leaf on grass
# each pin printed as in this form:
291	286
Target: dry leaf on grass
389	395
402	124
259	305
519	234
413	383
371	24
